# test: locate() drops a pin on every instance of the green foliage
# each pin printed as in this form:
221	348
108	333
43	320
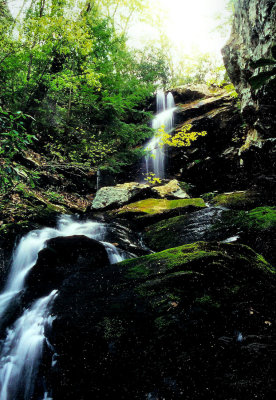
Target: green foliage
14	140
196	68
225	19
68	65
231	90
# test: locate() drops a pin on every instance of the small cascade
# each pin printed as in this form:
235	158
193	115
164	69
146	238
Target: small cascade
22	349
98	179
155	160
25	255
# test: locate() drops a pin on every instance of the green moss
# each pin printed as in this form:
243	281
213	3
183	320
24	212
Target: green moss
113	328
165	234
162	322
185	186
206	300
156	206
167	260
258	219
261	262
38	202
236	200
261	218
194	258
208	196
235	289
7	228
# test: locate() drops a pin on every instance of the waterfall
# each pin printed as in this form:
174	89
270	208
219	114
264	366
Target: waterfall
21	350
155	159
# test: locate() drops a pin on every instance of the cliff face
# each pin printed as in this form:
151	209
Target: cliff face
253	36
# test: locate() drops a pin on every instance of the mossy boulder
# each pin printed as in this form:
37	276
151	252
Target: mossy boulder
195	319
240	200
184	229
257	219
157	206
256	227
149	211
198	256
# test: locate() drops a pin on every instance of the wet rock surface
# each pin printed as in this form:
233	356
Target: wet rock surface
185	229
192	321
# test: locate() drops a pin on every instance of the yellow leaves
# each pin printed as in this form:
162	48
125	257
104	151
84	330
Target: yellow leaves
152	178
183	138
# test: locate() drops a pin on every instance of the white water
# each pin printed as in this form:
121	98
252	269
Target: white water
155	159
22	349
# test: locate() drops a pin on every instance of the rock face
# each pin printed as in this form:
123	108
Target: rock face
194	319
253	36
211	162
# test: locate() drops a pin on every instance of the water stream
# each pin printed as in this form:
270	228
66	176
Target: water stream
154	161
21	350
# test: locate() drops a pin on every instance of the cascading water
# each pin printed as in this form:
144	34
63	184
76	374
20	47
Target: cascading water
22	348
155	159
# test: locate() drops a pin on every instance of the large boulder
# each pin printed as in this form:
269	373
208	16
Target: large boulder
148	211
114	196
191	321
62	257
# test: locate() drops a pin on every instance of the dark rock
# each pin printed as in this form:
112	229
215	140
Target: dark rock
63	257
156	326
208	163
185	229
